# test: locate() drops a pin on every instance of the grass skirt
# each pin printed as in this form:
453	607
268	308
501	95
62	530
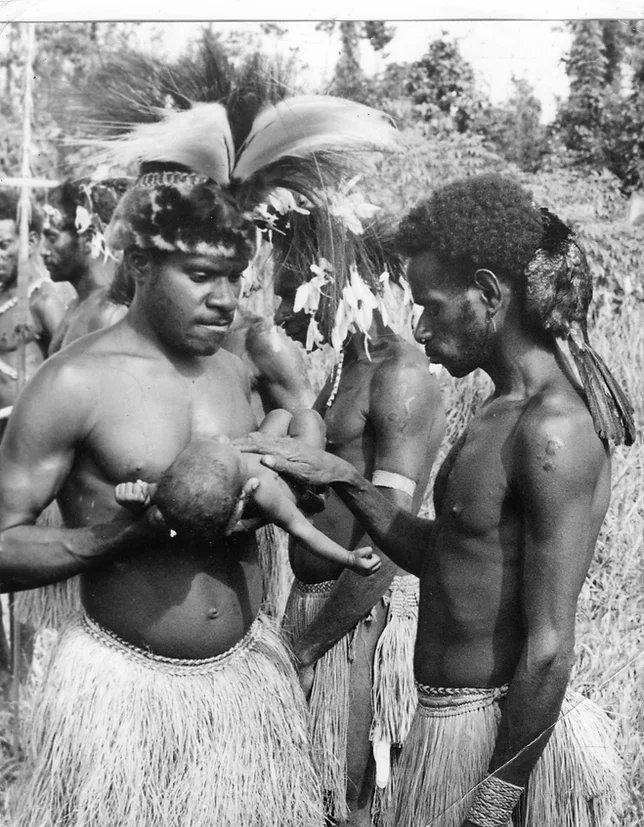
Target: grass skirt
393	693
272	545
123	738
575	782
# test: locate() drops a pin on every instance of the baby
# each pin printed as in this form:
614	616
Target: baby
210	483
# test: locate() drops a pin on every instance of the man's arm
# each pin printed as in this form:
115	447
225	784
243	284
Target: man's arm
281	376
401	536
561	478
49	311
406	417
51	418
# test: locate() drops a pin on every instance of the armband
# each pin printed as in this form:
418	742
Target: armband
388	479
494	803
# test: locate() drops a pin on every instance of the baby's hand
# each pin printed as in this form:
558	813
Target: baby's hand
364	561
133	495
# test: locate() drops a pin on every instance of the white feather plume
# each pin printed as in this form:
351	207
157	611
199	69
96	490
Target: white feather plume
299	126
200	138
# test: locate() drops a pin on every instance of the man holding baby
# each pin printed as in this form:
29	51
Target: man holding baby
172	700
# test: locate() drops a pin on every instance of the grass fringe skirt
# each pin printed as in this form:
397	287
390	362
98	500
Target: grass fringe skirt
575	783
393	693
272	544
122	738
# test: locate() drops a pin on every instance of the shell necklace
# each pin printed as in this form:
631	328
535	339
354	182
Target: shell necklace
336	381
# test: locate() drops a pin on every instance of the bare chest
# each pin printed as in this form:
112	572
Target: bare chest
143	422
472	492
346	418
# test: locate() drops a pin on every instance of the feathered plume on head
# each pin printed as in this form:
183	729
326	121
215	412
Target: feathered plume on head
302	144
341	259
558	291
214	142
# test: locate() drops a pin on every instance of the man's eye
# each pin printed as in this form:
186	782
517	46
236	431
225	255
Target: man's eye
235	277
198	277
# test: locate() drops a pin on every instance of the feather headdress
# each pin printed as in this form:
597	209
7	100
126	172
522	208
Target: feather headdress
340	259
558	290
196	194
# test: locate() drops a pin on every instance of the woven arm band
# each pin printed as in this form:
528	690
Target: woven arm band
388	479
495	800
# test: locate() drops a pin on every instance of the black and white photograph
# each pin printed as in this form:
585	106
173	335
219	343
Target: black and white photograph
321	409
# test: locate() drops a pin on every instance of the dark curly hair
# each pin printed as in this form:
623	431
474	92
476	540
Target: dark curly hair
99	198
485	221
9	210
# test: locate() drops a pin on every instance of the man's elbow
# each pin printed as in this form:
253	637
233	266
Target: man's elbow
551	652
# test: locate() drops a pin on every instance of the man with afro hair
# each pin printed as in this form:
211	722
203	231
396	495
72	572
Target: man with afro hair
519	502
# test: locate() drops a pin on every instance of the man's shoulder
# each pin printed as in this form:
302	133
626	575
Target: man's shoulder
399	361
556	432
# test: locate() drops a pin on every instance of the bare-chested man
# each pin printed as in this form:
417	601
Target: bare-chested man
74	251
383	414
519	504
45	307
172	700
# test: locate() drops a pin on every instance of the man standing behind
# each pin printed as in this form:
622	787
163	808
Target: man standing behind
45	307
353	638
519	503
74	250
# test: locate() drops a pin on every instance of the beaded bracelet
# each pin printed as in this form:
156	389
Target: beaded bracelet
495	800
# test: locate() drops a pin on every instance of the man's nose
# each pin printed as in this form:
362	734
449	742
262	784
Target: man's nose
422	332
223	296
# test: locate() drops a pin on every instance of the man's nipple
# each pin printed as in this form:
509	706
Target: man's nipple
213	613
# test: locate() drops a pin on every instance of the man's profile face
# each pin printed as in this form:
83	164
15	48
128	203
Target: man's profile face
295	325
9	247
452	327
64	255
190	300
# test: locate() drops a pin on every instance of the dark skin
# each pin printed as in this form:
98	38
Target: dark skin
68	257
519	504
379	419
46	311
125	401
275	363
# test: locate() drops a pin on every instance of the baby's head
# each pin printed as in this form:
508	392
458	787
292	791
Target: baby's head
198	492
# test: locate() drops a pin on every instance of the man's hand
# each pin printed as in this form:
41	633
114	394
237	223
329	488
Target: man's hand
235	523
292	458
306	675
156	521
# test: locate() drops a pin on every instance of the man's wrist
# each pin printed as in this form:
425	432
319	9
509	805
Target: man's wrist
494	803
344	473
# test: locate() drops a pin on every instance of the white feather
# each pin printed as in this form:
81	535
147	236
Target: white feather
300	126
199	138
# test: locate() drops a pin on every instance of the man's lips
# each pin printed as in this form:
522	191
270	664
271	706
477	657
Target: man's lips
215	324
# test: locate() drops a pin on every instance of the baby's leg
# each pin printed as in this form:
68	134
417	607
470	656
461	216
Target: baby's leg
309	427
276	423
